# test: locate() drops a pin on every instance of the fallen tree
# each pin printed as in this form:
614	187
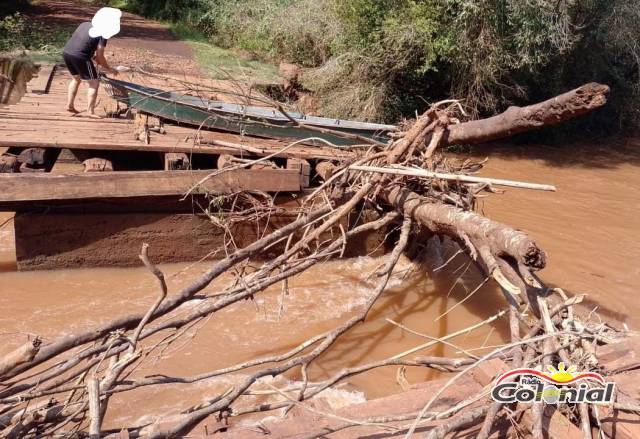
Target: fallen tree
65	385
516	120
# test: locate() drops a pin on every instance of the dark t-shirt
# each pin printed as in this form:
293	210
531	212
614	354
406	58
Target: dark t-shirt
81	44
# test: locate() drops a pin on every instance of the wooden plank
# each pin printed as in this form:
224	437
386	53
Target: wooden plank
42	82
45	101
176	161
303	167
97	164
169	144
116	145
17	190
62	123
52	92
75	128
621	356
43	98
22	118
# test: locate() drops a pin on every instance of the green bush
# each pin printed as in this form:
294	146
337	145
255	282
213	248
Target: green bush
18	33
13	32
380	59
299	31
172	10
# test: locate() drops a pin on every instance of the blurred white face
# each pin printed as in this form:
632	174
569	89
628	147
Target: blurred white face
106	23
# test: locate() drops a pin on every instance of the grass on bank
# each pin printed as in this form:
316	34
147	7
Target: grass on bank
214	61
219	63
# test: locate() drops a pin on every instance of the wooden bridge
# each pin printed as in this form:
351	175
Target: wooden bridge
43	106
72	173
39	121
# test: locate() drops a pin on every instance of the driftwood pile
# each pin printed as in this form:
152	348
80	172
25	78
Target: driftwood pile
64	386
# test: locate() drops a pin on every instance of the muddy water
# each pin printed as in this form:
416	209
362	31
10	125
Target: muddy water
60	302
589	227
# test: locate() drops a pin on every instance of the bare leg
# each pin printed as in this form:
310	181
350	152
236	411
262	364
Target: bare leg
92	96
71	94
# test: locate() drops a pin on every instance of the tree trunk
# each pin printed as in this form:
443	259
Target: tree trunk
501	240
516	120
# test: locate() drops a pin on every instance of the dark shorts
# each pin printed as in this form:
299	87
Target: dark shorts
80	66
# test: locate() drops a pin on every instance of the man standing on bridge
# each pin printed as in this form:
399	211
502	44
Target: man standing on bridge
88	42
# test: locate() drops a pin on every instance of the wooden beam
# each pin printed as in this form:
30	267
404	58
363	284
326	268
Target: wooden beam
42	82
22	190
21	121
303	167
24	117
176	161
97	164
621	356
20	138
112	145
9	164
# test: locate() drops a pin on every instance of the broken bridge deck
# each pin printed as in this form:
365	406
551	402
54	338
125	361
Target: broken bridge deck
87	192
40	120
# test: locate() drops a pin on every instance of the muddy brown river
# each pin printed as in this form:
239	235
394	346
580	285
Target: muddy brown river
590	229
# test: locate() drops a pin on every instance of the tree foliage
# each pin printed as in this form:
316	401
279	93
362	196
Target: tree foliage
378	59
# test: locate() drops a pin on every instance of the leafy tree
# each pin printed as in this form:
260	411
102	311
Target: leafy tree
379	59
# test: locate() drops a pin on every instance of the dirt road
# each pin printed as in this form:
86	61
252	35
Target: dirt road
141	43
